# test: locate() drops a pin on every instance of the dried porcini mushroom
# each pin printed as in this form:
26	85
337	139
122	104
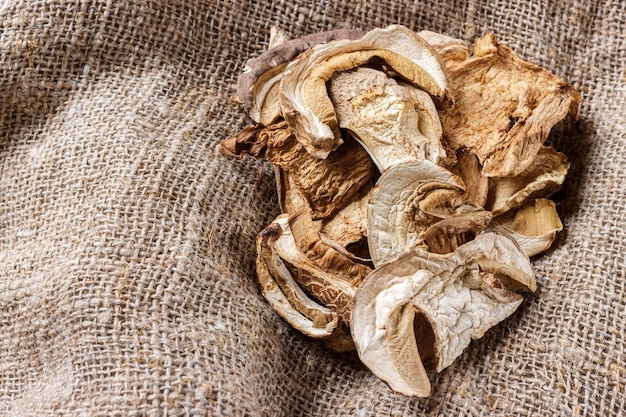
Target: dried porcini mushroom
413	184
394	121
452	293
304	98
504	107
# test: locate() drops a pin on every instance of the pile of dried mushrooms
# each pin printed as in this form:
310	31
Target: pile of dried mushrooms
414	186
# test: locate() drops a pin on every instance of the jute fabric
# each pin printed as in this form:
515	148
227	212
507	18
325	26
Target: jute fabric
127	279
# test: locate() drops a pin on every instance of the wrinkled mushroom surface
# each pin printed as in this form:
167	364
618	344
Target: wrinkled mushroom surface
504	107
304	98
395	122
413	183
453	294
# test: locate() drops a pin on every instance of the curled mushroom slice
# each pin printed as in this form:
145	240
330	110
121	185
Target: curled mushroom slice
257	86
448	299
394	122
325	274
533	226
541	178
304	98
284	294
504	107
406	200
447	235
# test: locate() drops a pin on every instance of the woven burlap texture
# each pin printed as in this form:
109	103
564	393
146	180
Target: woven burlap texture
127	281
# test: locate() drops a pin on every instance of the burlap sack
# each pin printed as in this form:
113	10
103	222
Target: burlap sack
127	283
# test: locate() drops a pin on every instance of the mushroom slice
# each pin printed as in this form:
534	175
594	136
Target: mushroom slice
451	50
304	98
325	274
406	200
325	256
541	178
448	234
394	122
533	226
447	298
257	86
284	294
328	184
468	168
504	108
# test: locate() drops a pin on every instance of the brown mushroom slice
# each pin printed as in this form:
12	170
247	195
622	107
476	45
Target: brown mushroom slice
406	200
257	86
316	269
504	108
447	235
468	168
304	99
541	178
533	226
284	294
327	184
394	122
447	293
323	254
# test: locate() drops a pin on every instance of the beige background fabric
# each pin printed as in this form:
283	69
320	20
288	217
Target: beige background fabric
127	283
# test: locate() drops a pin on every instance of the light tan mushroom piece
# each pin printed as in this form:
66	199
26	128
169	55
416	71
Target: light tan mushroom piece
451	50
405	202
541	178
284	294
425	307
504	107
304	99
257	86
395	122
533	226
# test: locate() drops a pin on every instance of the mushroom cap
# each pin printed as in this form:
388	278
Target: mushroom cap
304	99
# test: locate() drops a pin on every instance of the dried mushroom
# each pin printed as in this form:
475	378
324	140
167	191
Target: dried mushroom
413	184
257	87
395	122
304	100
407	199
504	107
533	226
452	297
